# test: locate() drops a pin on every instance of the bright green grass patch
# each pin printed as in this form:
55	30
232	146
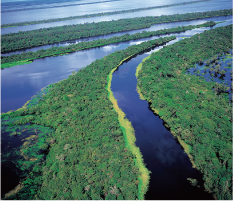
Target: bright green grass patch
130	139
15	63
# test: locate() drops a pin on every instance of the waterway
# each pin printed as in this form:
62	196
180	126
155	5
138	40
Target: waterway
49	13
227	19
162	154
20	83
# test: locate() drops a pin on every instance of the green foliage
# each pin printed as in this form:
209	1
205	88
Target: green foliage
27	39
87	158
100	42
26	149
189	105
95	14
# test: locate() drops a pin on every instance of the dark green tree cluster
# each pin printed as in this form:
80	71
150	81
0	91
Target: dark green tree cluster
87	158
95	43
189	106
27	39
95	14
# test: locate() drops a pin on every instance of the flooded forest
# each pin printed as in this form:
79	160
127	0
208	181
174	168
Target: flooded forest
116	100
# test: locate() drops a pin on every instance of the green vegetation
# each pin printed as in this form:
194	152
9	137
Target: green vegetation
27	39
130	139
16	59
95	14
88	156
26	147
197	115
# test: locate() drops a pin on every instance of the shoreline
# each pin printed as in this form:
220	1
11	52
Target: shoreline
129	135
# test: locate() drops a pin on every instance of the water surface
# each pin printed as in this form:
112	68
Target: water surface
162	154
41	14
227	19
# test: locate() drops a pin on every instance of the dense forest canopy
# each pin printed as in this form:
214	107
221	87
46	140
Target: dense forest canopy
38	37
197	112
87	158
16	59
72	143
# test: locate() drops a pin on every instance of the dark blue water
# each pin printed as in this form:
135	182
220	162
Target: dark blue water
169	164
162	154
10	176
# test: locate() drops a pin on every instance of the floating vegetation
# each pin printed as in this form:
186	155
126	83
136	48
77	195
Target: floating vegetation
22	147
216	69
39	96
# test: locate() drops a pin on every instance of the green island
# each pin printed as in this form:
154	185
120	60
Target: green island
90	155
39	37
197	112
19	59
95	14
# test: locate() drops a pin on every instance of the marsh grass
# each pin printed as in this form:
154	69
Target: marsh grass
129	135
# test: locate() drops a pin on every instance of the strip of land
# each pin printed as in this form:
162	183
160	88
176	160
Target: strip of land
94	14
19	59
88	149
27	39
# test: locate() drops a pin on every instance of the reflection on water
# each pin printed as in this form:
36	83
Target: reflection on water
20	83
106	7
163	156
155	27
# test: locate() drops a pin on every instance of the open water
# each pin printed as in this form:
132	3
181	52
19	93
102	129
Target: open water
163	155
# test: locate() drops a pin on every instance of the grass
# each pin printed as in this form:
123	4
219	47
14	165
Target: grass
15	63
186	147
139	67
220	22
130	139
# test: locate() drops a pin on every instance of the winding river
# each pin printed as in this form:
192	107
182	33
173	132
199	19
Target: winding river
163	155
25	81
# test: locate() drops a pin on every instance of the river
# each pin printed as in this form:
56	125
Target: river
30	15
26	80
162	154
155	27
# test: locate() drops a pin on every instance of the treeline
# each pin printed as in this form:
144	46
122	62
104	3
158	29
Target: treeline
27	39
7	60
95	14
87	158
196	111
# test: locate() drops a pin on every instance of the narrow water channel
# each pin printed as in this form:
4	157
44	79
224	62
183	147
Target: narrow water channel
227	20
163	155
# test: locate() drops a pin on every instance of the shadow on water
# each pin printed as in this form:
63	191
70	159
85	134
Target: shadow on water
163	155
22	147
9	176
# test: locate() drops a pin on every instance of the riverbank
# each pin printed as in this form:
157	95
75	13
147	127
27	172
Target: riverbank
95	15
183	100
187	148
130	139
88	148
27	39
24	58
